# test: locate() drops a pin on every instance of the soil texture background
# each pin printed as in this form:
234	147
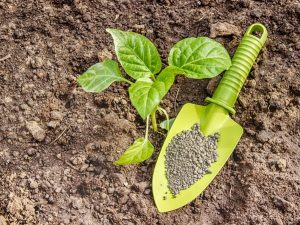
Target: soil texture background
57	143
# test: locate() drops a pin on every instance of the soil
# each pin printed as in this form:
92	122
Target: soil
57	143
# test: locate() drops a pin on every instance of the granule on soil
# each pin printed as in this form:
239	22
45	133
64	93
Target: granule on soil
188	158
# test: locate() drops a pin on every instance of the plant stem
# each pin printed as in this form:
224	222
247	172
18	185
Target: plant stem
147	128
153	120
153	77
127	81
166	115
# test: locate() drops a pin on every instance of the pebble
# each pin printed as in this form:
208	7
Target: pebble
281	164
110	190
53	124
78	159
264	136
147	191
15	153
256	13
37	63
251	83
188	158
31	152
123	199
103	195
33	184
142	186
36	131
223	29
56	115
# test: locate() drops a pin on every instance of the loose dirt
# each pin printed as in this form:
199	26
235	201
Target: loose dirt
57	143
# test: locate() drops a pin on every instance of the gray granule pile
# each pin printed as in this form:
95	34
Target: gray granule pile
188	158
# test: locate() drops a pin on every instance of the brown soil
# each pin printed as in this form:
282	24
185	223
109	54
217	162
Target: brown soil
68	177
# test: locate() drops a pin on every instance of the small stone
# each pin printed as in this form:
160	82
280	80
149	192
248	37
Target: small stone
147	191
119	178
78	159
53	124
256	13
123	199
110	190
37	62
76	203
142	186
281	164
33	184
31	151
58	156
36	131
243	101
22	175
84	167
8	99
251	83
103	196
15	153
264	136
56	115
223	29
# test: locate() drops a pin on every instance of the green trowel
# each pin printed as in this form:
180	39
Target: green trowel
212	118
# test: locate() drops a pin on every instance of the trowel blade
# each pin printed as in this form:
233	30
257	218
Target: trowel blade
212	119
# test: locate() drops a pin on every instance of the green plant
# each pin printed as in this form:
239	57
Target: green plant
196	58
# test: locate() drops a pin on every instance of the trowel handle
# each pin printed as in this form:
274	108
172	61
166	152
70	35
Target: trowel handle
232	82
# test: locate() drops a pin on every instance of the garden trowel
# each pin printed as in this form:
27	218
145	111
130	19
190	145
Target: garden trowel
213	118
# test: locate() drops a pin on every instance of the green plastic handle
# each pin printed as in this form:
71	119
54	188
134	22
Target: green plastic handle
232	82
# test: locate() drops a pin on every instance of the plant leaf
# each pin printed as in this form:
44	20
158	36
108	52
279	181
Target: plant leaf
145	94
99	76
200	57
164	124
139	151
136	53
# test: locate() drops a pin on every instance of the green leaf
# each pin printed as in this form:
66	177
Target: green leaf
164	124
99	76
145	94
139	151
136	53
200	57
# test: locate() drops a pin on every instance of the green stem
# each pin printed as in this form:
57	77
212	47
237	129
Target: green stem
153	120
153	77
147	128
166	115
127	81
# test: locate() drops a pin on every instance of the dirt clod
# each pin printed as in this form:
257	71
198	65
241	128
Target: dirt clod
223	29
36	131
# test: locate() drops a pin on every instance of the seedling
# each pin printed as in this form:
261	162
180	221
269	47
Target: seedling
196	58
